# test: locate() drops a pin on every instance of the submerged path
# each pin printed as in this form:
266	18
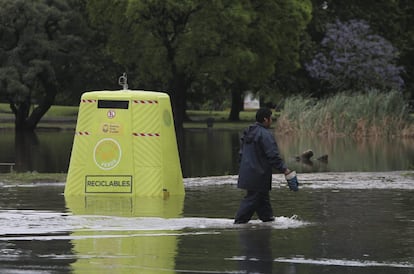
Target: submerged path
330	180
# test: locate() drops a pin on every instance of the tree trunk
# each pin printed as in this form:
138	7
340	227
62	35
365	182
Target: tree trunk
26	121
23	122
36	115
178	96
21	112
236	105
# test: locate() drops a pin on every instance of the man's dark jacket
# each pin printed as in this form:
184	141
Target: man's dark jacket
259	154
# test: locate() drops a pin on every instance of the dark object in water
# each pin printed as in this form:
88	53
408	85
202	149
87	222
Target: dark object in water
323	158
306	156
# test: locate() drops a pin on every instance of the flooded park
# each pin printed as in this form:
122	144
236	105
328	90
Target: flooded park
353	214
123	192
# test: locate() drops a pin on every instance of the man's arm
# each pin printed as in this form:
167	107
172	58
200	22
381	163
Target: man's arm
271	150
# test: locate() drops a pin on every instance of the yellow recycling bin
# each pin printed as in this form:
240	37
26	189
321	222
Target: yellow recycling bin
125	144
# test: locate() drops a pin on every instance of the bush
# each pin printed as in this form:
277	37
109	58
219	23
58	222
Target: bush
351	56
363	114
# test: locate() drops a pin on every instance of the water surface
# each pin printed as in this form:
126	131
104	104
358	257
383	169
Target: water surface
212	152
339	222
320	229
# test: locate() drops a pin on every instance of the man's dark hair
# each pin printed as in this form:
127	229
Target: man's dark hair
263	113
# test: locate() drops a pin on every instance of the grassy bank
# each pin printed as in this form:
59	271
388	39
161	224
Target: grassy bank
357	115
64	117
57	118
344	114
199	118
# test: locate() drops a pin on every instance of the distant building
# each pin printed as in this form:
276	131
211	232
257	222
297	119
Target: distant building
251	102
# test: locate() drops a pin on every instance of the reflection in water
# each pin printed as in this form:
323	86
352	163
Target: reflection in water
348	154
47	152
120	252
256	250
170	207
35	256
25	144
257	253
209	152
351	231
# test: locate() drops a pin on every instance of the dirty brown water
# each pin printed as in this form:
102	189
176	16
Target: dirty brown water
354	216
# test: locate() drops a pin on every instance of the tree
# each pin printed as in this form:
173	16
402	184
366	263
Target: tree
38	38
392	20
353	58
270	39
89	67
175	45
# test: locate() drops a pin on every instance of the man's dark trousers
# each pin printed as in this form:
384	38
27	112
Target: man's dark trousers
254	201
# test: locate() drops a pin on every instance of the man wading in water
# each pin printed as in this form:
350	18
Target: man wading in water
259	154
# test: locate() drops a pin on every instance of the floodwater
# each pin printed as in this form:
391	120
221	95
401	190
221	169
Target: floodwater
215	152
354	214
365	225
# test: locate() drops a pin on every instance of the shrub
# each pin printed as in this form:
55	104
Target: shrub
362	114
352	57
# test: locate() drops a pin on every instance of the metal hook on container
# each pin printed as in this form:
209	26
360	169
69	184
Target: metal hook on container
123	81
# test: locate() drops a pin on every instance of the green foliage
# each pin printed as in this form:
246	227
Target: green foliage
392	20
353	58
37	39
360	114
224	45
